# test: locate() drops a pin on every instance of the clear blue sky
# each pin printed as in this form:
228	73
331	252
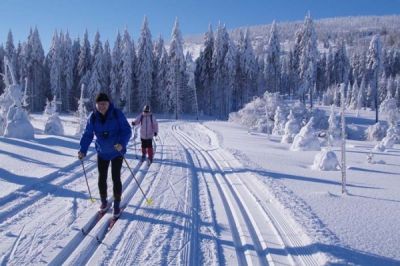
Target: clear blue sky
194	15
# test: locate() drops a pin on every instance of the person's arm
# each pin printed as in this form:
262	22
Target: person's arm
136	121
155	126
87	136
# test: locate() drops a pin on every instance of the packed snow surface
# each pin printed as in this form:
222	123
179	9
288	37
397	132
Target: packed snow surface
221	195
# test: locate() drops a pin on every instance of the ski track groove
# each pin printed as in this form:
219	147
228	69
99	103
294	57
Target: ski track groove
163	232
196	208
288	236
230	212
282	230
301	253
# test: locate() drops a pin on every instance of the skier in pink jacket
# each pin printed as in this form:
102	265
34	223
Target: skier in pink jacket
148	130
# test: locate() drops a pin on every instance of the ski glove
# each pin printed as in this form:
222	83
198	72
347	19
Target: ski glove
155	134
118	147
81	155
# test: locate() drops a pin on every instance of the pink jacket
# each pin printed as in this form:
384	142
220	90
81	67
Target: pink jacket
148	125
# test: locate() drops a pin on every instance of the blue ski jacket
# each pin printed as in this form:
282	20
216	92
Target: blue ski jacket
110	129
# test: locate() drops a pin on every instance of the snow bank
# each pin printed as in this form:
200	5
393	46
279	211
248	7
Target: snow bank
306	140
18	124
376	132
54	126
326	160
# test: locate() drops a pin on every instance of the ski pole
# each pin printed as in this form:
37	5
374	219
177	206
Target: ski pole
87	183
134	140
149	201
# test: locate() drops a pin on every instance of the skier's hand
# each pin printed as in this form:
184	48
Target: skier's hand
118	147
81	155
155	134
133	123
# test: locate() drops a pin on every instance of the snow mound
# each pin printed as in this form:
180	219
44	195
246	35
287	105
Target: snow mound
18	124
54	126
326	160
376	132
306	140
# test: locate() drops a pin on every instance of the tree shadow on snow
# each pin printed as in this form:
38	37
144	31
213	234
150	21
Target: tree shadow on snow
33	146
298	177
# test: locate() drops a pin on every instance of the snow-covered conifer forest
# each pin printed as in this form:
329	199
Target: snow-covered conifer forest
300	60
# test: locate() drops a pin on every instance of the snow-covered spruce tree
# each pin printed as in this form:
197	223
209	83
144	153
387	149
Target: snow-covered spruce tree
389	109
67	75
76	48
397	94
145	64
272	68
204	73
116	70
55	62
155	88
382	88
334	135
176	73
392	137
6	100
306	139
162	81
349	95
11	54
341	64
107	67
2	53
127	74
15	124
53	124
48	109
376	132
96	82
247	69
292	127
321	80
308	60
81	113
192	104
374	62
279	122
34	59
230	65
85	61
390	87
355	94
220	90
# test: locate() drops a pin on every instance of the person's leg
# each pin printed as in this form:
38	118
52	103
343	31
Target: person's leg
116	165
150	150
143	149
102	166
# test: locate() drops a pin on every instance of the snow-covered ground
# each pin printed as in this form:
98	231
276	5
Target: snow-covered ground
221	195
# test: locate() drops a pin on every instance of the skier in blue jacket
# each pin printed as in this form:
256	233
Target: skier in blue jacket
112	132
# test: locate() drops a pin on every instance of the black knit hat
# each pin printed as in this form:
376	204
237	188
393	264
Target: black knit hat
102	97
146	108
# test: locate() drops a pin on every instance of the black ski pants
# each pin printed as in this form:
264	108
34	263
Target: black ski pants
116	165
